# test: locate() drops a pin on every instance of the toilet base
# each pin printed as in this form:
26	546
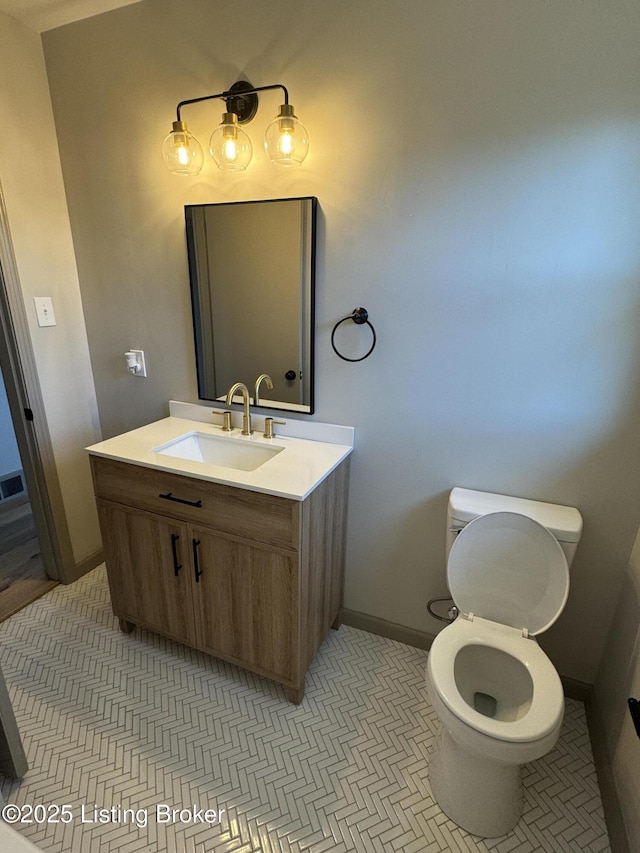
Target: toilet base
482	796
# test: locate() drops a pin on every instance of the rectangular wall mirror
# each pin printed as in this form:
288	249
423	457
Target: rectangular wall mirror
252	274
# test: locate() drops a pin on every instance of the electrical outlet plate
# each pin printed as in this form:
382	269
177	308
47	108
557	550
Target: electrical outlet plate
141	362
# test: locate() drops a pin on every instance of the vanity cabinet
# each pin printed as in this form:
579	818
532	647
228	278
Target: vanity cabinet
252	578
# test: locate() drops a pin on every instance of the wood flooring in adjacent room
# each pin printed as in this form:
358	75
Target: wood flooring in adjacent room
22	575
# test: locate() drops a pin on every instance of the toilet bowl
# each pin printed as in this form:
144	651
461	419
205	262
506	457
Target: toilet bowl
498	697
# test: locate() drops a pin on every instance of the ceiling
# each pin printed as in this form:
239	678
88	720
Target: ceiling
41	15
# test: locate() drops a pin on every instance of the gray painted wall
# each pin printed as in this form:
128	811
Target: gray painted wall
38	221
477	171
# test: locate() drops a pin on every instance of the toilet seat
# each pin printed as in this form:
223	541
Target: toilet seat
509	578
509	569
547	703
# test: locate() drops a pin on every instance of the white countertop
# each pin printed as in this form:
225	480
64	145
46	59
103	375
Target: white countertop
295	472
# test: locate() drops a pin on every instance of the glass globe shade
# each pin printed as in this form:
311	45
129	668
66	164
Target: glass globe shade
286	140
182	152
230	146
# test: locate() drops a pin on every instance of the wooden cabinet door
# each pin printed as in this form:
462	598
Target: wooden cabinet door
245	598
148	566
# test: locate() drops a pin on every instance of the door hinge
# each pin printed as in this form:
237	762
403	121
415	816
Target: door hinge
28	414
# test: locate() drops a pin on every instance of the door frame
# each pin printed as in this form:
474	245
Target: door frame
18	368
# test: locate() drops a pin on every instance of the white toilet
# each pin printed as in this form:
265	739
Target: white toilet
497	695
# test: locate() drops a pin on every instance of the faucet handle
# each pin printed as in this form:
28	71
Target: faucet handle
226	420
268	427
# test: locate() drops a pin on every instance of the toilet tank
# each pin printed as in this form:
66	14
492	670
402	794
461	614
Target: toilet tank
565	522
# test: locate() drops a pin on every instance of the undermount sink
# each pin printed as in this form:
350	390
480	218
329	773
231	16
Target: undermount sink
215	450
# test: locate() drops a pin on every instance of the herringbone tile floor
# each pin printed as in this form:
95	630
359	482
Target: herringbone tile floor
134	722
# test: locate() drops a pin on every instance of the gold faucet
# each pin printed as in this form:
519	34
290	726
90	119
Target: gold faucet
264	377
246	418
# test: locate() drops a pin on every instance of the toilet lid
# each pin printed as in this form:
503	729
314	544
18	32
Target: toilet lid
508	568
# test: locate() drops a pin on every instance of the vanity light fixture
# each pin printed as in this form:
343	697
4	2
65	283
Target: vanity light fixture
286	139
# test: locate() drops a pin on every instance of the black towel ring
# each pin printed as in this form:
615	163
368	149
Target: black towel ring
360	316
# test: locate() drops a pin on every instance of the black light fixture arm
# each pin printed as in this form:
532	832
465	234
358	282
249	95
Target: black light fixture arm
239	92
266	88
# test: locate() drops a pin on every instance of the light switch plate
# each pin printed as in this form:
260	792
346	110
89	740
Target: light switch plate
44	311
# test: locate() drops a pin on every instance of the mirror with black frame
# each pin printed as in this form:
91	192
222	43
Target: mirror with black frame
252	274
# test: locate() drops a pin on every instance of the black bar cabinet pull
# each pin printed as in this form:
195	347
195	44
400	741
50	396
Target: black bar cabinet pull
170	497
174	548
634	707
196	565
